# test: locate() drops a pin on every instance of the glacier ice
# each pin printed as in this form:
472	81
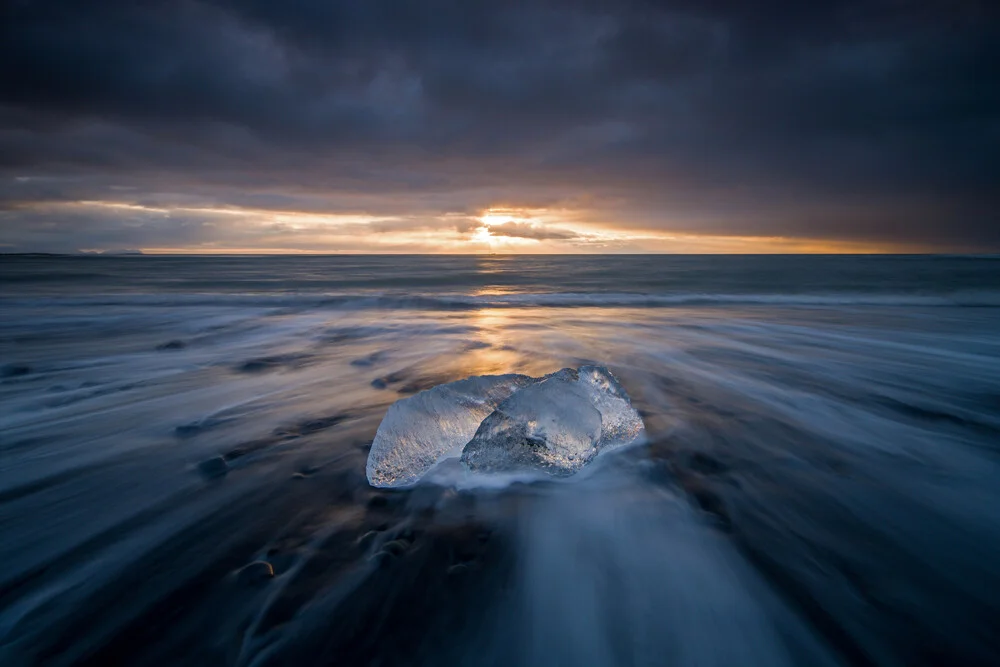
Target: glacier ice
550	425
436	423
556	424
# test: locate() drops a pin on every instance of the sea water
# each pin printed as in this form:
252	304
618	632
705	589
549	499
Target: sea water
183	443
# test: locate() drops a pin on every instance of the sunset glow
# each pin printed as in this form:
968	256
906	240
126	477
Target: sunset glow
232	230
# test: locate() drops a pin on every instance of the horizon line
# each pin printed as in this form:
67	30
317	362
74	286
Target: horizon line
136	255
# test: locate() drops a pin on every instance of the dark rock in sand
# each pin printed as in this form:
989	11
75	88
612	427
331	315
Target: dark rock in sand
382	559
194	428
14	370
387	500
255	572
257	365
711	504
365	540
172	345
706	464
396	547
312	425
188	430
378	501
370	360
276	362
214	467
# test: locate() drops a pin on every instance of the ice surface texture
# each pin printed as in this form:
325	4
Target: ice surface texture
556	424
436	423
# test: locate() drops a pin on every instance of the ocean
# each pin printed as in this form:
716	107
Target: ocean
183	444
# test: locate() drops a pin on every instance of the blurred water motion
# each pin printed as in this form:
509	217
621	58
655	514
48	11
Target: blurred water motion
183	445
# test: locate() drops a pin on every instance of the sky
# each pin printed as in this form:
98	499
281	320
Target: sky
530	126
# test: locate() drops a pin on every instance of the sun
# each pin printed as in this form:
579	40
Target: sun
489	218
482	235
495	218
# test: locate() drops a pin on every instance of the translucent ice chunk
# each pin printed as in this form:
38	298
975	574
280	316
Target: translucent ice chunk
551	425
504	423
418	431
557	425
620	422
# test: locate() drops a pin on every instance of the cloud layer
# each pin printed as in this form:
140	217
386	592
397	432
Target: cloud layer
223	124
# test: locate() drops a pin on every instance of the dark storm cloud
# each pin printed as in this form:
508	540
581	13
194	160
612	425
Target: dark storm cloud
845	119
